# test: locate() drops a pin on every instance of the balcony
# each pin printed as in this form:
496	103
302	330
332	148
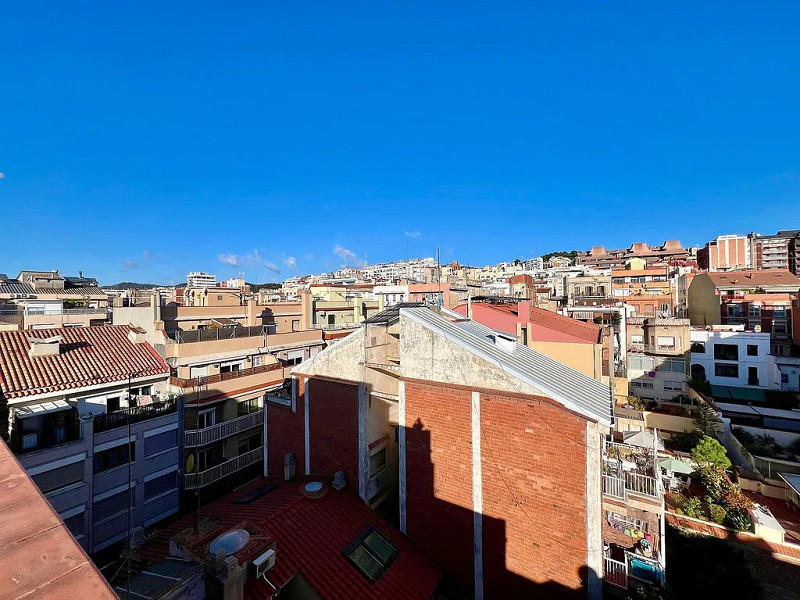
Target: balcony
336	326
48	312
203	478
204	381
135	414
201	437
632	566
629	470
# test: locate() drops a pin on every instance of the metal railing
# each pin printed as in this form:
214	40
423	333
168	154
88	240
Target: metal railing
201	437
770	467
48	312
613	486
209	476
616	572
641	484
136	414
218	333
336	326
206	380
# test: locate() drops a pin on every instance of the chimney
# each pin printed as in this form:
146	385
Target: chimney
80	274
45	346
137	335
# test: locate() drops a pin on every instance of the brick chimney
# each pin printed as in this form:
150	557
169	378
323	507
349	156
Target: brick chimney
45	346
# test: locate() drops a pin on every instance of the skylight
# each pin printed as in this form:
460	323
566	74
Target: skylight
371	554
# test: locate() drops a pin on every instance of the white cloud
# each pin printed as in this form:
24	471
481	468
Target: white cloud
229	259
272	267
129	263
291	262
343	252
238	260
412	234
147	255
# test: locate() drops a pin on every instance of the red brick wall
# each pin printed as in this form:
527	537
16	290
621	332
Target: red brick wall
286	433
439	477
333	412
534	472
534	481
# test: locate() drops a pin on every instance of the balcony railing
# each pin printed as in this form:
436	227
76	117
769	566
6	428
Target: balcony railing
219	333
616	573
204	380
641	484
613	486
204	478
136	414
201	437
48	312
336	326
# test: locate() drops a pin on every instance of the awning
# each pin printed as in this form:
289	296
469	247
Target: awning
35	410
792	480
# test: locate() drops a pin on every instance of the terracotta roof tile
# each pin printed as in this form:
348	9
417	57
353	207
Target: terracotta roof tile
310	536
88	356
754	278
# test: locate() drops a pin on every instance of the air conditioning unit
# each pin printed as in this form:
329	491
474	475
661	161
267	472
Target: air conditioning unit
264	563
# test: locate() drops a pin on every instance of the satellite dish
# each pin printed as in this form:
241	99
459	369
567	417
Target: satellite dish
190	464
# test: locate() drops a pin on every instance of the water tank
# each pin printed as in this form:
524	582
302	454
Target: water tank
229	542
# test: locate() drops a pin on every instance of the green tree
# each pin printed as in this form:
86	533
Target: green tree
709	452
707	421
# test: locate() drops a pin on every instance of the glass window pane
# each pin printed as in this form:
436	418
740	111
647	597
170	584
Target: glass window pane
379	547
366	563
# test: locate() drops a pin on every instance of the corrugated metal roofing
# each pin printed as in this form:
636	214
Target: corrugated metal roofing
571	388
16	288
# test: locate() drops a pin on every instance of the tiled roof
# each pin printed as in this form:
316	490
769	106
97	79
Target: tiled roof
39	558
746	279
73	291
88	356
310	536
547	318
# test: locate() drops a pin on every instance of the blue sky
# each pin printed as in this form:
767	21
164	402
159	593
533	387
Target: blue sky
140	141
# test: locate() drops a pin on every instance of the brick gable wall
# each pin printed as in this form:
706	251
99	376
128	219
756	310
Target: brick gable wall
333	412
286	433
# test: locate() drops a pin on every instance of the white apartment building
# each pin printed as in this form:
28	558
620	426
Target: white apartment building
730	356
403	269
201	279
389	295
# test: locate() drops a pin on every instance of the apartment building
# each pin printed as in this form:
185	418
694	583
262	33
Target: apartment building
600	258
779	251
341	307
225	360
726	252
389	295
434	414
648	291
88	412
729	355
46	300
200	279
760	299
587	288
658	349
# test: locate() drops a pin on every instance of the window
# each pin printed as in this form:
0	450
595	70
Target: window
698	347
249	443
754	311
752	350
752	376
723	370
145	390
258	361
112	404
666	341
779	326
160	485
75	524
377	462
673	386
778	311
371	554
735	310
726	351
55	479
641	363
59	434
672	365
207	418
637	339
114	457
642	384
248	406
784	378
160	442
665	308
219	297
30	440
230	367
113	505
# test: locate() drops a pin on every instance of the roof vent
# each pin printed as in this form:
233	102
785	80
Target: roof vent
314	489
229	542
506	342
49	346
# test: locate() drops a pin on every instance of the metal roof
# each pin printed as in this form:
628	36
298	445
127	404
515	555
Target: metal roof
391	314
564	384
16	288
